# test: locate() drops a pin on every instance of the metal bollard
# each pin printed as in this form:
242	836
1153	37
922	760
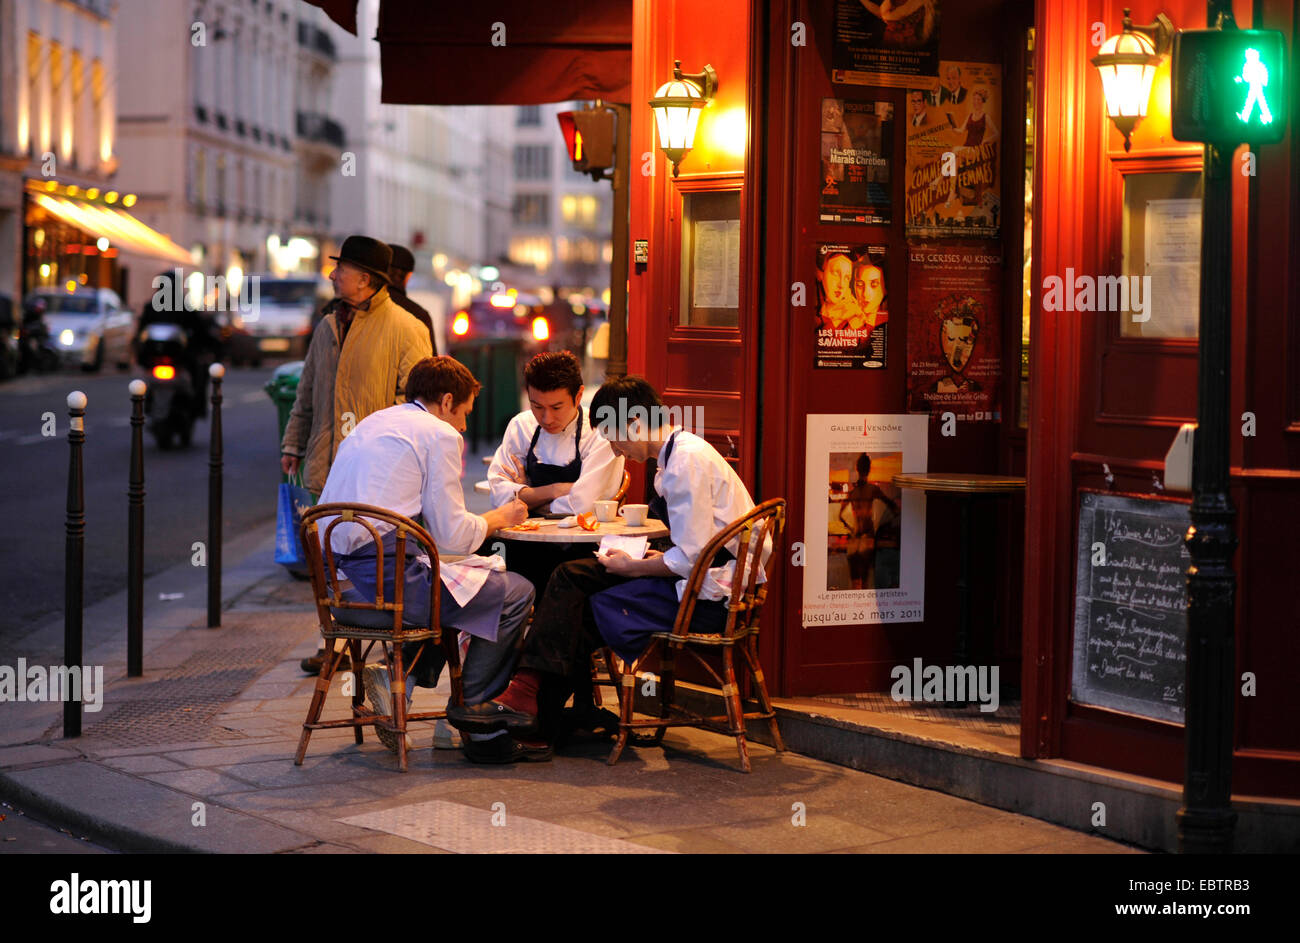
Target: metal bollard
216	371
135	538
74	558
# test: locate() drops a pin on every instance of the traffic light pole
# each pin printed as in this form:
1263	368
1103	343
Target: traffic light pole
616	365
1206	819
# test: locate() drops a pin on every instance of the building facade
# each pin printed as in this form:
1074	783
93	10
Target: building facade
208	125
57	127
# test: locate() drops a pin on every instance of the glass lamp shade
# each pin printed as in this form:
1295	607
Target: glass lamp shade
677	107
1127	63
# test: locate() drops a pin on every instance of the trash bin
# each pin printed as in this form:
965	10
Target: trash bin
497	363
283	390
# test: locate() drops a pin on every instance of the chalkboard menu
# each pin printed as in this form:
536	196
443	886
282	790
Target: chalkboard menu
1130	605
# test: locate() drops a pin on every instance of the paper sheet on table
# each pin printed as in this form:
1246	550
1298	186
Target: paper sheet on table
634	547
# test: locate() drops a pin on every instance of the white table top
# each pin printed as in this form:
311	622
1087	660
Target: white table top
551	532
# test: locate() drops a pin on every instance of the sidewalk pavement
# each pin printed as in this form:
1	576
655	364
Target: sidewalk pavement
198	756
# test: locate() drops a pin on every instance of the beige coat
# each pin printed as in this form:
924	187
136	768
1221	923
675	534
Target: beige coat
340	387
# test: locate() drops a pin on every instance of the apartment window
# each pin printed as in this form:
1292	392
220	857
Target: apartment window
531	209
532	162
33	130
580	209
528	116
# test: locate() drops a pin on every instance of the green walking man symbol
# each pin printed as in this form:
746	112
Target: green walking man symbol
1255	74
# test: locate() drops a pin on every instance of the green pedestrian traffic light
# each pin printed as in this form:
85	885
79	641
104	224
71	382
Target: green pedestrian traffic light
1229	86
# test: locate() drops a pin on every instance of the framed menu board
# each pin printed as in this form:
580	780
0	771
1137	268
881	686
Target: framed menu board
710	277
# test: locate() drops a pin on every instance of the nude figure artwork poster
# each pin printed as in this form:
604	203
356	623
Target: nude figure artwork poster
870	567
954	359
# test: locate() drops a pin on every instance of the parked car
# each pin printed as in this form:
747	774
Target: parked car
281	319
88	326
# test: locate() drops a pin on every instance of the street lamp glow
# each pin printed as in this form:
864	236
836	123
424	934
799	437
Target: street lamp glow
102	243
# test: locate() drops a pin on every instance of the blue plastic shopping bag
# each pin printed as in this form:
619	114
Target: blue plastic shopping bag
294	499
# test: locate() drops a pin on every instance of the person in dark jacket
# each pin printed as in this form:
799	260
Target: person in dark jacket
398	275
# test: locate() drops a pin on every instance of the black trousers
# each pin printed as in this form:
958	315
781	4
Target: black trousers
564	632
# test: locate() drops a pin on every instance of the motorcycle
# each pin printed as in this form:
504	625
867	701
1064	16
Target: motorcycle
170	406
36	350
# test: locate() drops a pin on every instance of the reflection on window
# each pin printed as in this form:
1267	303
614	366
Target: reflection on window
1027	293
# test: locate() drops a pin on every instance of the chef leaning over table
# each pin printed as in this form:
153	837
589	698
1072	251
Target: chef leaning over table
552	459
407	459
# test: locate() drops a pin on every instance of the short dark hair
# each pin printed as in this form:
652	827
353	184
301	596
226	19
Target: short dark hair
629	392
554	370
433	377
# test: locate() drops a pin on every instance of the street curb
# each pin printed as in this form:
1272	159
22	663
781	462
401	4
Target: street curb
116	837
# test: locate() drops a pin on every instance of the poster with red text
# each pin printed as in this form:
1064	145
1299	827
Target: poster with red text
954	360
953	142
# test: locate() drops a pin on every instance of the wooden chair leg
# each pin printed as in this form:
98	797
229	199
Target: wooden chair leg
317	703
397	682
358	692
451	651
750	651
735	710
667	685
626	695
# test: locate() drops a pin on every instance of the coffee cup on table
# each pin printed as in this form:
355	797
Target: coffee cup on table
606	510
635	514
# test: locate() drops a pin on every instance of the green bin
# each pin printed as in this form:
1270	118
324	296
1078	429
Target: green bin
497	363
283	390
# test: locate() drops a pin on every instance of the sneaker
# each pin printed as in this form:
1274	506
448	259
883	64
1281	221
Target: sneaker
313	663
445	736
379	693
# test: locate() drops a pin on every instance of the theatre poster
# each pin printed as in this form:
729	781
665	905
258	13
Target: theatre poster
954	360
857	138
953	145
889	44
864	550
851	317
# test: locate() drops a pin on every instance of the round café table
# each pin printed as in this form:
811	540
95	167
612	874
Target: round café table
966	487
551	532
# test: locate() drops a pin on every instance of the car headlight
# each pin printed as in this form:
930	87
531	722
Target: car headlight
67	337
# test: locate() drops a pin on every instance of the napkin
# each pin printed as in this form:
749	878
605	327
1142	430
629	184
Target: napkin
634	547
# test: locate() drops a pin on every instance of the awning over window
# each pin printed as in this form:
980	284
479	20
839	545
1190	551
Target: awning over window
507	52
123	231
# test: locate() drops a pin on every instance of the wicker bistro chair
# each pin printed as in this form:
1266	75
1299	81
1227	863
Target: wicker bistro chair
740	634
621	494
370	622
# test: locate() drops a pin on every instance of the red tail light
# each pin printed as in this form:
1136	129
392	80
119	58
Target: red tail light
460	325
164	371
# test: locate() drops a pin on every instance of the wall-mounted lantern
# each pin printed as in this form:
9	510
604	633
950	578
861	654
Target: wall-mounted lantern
677	107
1127	63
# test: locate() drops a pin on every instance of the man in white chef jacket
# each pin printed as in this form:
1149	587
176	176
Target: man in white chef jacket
408	459
553	460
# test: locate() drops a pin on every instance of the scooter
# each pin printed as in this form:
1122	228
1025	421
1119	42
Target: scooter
170	406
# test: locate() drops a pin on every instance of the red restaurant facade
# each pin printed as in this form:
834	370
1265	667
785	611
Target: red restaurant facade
1084	404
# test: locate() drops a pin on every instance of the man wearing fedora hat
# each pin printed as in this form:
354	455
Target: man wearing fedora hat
398	275
357	362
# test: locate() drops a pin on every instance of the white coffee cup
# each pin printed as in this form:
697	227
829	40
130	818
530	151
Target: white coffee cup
606	510
635	514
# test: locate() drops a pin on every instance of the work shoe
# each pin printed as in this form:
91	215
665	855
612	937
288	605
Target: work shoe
490	716
446	737
506	749
380	694
312	665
